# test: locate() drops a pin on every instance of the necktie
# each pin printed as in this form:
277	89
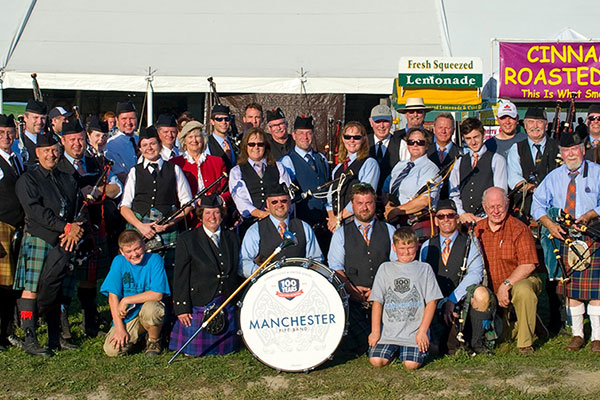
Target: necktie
595	142
379	152
215	239
260	169
571	194
346	163
154	171
446	251
15	164
475	159
538	153
442	154
173	154
403	174
227	149
282	228
135	147
79	167
311	161
365	232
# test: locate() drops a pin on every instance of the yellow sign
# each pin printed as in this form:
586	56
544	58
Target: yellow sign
446	99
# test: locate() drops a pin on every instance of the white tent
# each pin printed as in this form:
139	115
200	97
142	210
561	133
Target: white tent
334	46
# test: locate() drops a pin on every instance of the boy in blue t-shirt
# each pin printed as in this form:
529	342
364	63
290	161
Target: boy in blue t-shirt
135	286
404	296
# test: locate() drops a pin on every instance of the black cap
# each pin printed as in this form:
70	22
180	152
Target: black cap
125	106
149	133
95	124
45	140
272	115
304	122
277	189
594	109
71	125
536	113
36	107
570	140
166	120
210	201
220	109
446	204
7	121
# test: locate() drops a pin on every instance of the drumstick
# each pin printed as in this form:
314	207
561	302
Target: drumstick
289	239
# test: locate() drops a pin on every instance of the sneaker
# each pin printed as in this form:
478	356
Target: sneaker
15	341
152	347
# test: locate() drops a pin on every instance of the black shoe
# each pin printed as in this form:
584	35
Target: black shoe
31	346
66	344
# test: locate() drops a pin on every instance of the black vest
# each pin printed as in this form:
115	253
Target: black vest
203	271
216	150
346	193
447	275
310	209
256	185
361	262
92	168
32	159
270	239
279	150
473	182
10	209
155	193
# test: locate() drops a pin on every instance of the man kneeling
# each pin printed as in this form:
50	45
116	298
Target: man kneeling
404	296
135	286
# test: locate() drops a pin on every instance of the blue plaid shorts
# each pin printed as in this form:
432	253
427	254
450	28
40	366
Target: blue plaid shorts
405	353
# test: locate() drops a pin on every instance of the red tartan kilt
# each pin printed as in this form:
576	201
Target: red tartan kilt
584	285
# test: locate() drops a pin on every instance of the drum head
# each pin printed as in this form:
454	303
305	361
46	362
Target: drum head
292	318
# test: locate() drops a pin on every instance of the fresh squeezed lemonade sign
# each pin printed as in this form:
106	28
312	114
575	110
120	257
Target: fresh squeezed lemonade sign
550	71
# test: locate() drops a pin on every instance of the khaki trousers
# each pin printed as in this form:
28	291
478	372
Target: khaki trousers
524	299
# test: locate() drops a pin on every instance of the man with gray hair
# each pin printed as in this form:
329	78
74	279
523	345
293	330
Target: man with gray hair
573	187
511	262
443	150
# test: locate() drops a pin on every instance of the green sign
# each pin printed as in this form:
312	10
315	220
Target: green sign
440	80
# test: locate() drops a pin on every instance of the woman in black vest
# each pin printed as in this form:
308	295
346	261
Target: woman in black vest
353	155
256	169
206	263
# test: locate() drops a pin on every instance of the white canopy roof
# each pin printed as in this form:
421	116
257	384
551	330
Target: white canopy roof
340	46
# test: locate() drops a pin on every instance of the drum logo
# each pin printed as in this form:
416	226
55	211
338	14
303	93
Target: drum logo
289	288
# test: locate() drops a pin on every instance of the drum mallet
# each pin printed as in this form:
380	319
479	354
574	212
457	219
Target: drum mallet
289	239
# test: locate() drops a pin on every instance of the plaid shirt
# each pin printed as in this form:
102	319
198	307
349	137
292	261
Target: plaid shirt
507	248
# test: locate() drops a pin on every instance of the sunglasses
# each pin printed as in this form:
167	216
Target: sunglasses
445	216
415	142
282	201
362	185
254	144
221	119
355	137
594	118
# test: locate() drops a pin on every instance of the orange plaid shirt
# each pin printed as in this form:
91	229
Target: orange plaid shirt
510	246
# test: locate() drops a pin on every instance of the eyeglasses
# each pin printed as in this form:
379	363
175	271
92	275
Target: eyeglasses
442	217
282	201
355	137
254	144
221	119
415	142
594	118
277	125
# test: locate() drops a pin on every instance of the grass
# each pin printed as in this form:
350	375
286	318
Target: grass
550	373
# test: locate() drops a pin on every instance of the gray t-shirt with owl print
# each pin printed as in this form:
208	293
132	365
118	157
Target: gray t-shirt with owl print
404	289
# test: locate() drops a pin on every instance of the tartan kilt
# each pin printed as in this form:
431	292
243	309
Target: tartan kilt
168	256
423	230
7	264
31	261
96	267
584	285
206	344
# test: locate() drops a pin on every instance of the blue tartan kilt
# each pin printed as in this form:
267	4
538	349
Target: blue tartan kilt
583	285
206	344
31	261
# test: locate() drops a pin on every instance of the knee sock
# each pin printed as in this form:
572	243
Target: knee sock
576	314
594	314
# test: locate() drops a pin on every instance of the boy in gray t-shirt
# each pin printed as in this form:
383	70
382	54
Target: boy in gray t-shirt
404	296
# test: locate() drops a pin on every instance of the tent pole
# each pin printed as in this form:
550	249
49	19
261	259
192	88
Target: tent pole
1	94
149	94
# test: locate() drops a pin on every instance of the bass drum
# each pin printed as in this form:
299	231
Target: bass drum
294	315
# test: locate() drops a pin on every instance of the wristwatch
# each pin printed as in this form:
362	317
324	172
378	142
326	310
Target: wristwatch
507	283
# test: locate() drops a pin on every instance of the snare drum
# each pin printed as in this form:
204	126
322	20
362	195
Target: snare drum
294	315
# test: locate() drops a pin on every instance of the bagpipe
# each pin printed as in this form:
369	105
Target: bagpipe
578	243
156	244
460	321
333	133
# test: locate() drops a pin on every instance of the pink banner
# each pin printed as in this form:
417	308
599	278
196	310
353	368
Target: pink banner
550	71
